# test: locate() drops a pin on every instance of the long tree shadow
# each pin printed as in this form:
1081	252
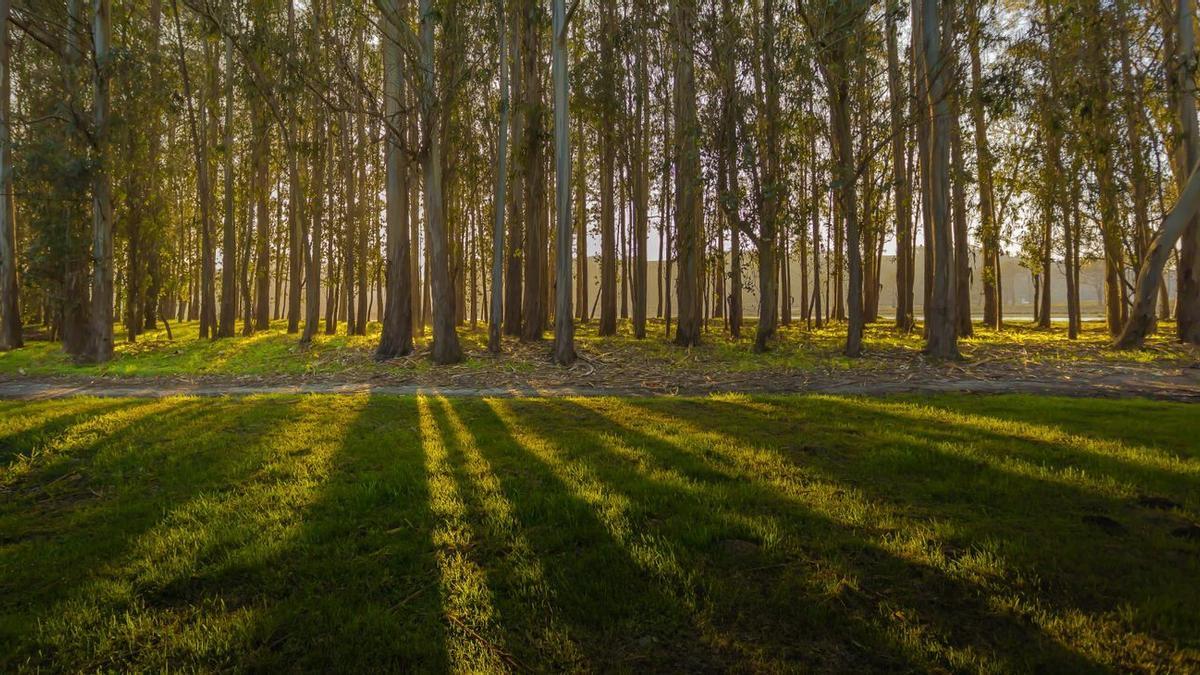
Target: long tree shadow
469	578
965	454
1137	423
360	580
1115	457
521	597
27	426
72	545
613	589
985	507
374	533
322	560
934	618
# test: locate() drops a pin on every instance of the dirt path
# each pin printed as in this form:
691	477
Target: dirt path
1177	384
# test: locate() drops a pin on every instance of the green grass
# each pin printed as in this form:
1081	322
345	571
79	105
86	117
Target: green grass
797	349
362	533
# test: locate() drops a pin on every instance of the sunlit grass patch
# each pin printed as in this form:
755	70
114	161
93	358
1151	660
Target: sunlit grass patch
370	533
796	348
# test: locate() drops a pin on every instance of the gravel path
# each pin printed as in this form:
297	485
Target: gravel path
1167	384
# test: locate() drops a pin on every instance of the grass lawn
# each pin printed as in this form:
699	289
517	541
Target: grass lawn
360	533
275	353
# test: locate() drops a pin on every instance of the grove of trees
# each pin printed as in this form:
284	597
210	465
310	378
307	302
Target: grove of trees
436	163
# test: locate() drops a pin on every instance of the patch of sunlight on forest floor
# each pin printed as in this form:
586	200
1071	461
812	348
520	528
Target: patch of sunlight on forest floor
796	350
362	533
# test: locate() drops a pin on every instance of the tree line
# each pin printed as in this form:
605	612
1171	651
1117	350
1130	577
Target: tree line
235	162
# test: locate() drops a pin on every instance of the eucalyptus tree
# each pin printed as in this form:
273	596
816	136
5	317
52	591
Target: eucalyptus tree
689	190
772	181
564	322
102	208
1181	223
260	158
446	348
639	168
321	196
902	190
497	304
989	227
529	163
833	26
397	336
958	203
940	334
296	231
1181	91
312	255
1102	144
607	95
1134	102
725	65
10	304
516	186
228	315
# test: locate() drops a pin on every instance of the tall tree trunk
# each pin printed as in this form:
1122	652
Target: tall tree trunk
848	199
689	189
818	314
262	197
245	285
564	323
349	229
581	233
364	217
446	349
280	258
921	115
1051	170
728	192
75	303
1183	222
502	156
151	242
958	198
641	187
412	182
623	248
102	216
296	233
208	262
666	201
497	308
941	340
836	72
1141	316
903	188
10	301
772	187
607	103
1182	92
155	241
228	317
1071	254
736	311
312	285
516	205
531	159
1134	103
989	229
1101	142
134	227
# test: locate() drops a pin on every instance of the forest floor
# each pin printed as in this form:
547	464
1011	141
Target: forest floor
368	533
1019	358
